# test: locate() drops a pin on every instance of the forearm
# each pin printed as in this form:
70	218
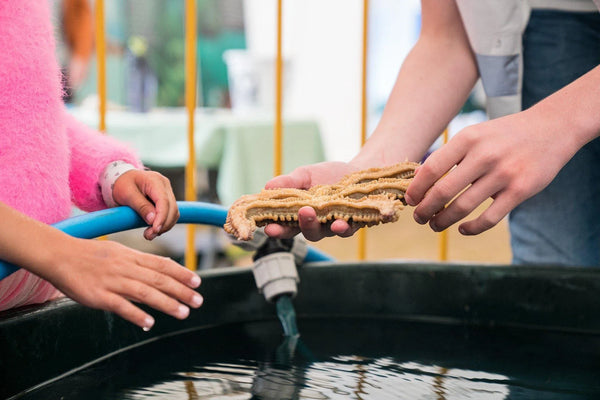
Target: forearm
29	243
91	152
433	83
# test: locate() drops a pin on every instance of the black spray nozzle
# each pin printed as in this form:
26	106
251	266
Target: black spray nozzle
271	246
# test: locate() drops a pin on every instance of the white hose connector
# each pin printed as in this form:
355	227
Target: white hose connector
275	263
275	275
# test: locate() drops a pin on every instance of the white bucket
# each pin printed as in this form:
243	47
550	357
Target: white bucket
251	81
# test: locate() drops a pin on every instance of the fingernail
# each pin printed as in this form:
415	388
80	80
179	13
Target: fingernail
150	217
409	200
418	219
197	300
434	226
148	324
462	230
310	219
158	229
183	311
195	281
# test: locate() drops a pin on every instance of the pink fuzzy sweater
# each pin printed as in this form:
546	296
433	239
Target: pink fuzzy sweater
48	161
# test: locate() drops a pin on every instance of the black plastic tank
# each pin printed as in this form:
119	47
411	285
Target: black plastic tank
372	330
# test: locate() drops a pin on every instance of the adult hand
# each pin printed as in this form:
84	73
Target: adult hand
508	159
109	276
304	178
151	196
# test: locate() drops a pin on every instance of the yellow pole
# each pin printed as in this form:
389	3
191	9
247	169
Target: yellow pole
278	131
362	234
190	104
443	235
101	63
101	68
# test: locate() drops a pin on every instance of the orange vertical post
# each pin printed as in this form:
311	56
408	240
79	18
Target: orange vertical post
278	129
100	38
191	261
101	63
362	234
443	235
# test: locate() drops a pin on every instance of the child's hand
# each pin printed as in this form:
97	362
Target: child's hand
99	273
151	196
109	276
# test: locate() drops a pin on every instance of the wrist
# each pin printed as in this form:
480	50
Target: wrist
387	148
561	131
109	176
51	256
49	243
571	114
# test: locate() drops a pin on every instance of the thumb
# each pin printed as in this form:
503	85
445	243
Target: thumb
281	181
300	178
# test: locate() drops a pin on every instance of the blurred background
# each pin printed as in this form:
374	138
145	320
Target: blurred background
236	45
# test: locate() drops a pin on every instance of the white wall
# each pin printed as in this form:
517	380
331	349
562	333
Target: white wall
322	41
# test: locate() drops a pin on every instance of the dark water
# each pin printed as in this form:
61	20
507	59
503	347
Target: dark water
346	359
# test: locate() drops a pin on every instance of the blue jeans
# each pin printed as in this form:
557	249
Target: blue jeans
561	224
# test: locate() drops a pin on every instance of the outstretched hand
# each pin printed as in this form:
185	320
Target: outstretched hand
508	159
151	196
109	276
304	178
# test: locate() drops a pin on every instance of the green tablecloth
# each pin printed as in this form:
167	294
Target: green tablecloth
239	147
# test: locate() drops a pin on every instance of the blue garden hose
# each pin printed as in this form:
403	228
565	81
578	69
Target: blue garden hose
119	219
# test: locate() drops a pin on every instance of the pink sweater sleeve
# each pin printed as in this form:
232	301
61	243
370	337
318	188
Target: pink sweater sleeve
91	152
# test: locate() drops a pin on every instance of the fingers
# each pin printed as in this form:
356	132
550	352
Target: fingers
161	284
170	278
108	275
304	178
437	164
299	178
314	231
490	217
444	190
342	228
151	196
140	292
129	312
169	267
140	203
465	203
280	231
309	224
311	228
158	189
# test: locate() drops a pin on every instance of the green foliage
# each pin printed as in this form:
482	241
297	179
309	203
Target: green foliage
168	55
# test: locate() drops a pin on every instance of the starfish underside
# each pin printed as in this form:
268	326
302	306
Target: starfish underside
364	198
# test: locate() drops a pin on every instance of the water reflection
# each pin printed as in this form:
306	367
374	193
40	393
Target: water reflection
342	377
345	359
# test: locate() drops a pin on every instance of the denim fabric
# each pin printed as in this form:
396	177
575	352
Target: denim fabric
561	224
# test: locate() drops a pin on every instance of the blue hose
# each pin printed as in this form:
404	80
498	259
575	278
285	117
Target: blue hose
119	219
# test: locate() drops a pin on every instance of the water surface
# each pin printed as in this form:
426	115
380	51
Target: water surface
346	359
